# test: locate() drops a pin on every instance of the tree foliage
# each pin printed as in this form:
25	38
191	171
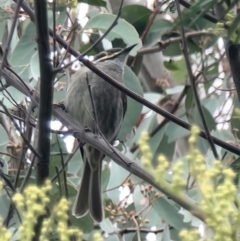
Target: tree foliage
183	72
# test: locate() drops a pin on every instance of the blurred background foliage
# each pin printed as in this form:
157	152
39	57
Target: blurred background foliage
157	71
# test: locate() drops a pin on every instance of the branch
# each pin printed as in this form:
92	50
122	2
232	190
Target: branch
142	230
163	44
14	80
23	88
110	151
46	90
19	130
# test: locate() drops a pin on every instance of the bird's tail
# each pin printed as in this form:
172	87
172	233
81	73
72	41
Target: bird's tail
80	206
95	194
89	196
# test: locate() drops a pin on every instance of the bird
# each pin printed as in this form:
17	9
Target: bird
101	108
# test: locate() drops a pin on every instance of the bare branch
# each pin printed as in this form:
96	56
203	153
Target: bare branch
164	44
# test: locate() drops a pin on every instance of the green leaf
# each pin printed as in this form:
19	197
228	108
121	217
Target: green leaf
75	164
60	16
170	65
85	223
169	213
155	141
122	30
164	148
24	50
174	131
99	3
133	107
137	65
147	124
34	66
189	102
55	154
175	90
153	98
157	29
235	122
117	176
107	226
178	70
4	140
105	177
10	95
137	15
175	49
166	234
192	15
113	237
207	116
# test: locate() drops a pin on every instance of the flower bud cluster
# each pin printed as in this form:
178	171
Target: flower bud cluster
32	204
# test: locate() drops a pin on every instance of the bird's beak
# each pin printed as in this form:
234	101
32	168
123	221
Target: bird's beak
129	48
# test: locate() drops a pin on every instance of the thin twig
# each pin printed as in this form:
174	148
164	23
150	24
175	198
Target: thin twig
9	39
92	102
64	171
207	16
163	44
9	216
68	159
193	84
24	147
59	181
142	230
17	127
28	174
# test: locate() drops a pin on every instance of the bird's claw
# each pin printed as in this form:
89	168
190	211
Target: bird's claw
60	105
87	129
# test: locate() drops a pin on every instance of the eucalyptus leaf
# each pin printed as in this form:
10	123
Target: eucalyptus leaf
174	131
4	140
113	237
122	30
157	29
153	98
117	176
107	226
169	213
136	15
11	97
133	107
21	55
85	223
178	70
175	90
98	3
34	66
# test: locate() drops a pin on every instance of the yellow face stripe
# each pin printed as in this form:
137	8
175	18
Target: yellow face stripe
109	56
